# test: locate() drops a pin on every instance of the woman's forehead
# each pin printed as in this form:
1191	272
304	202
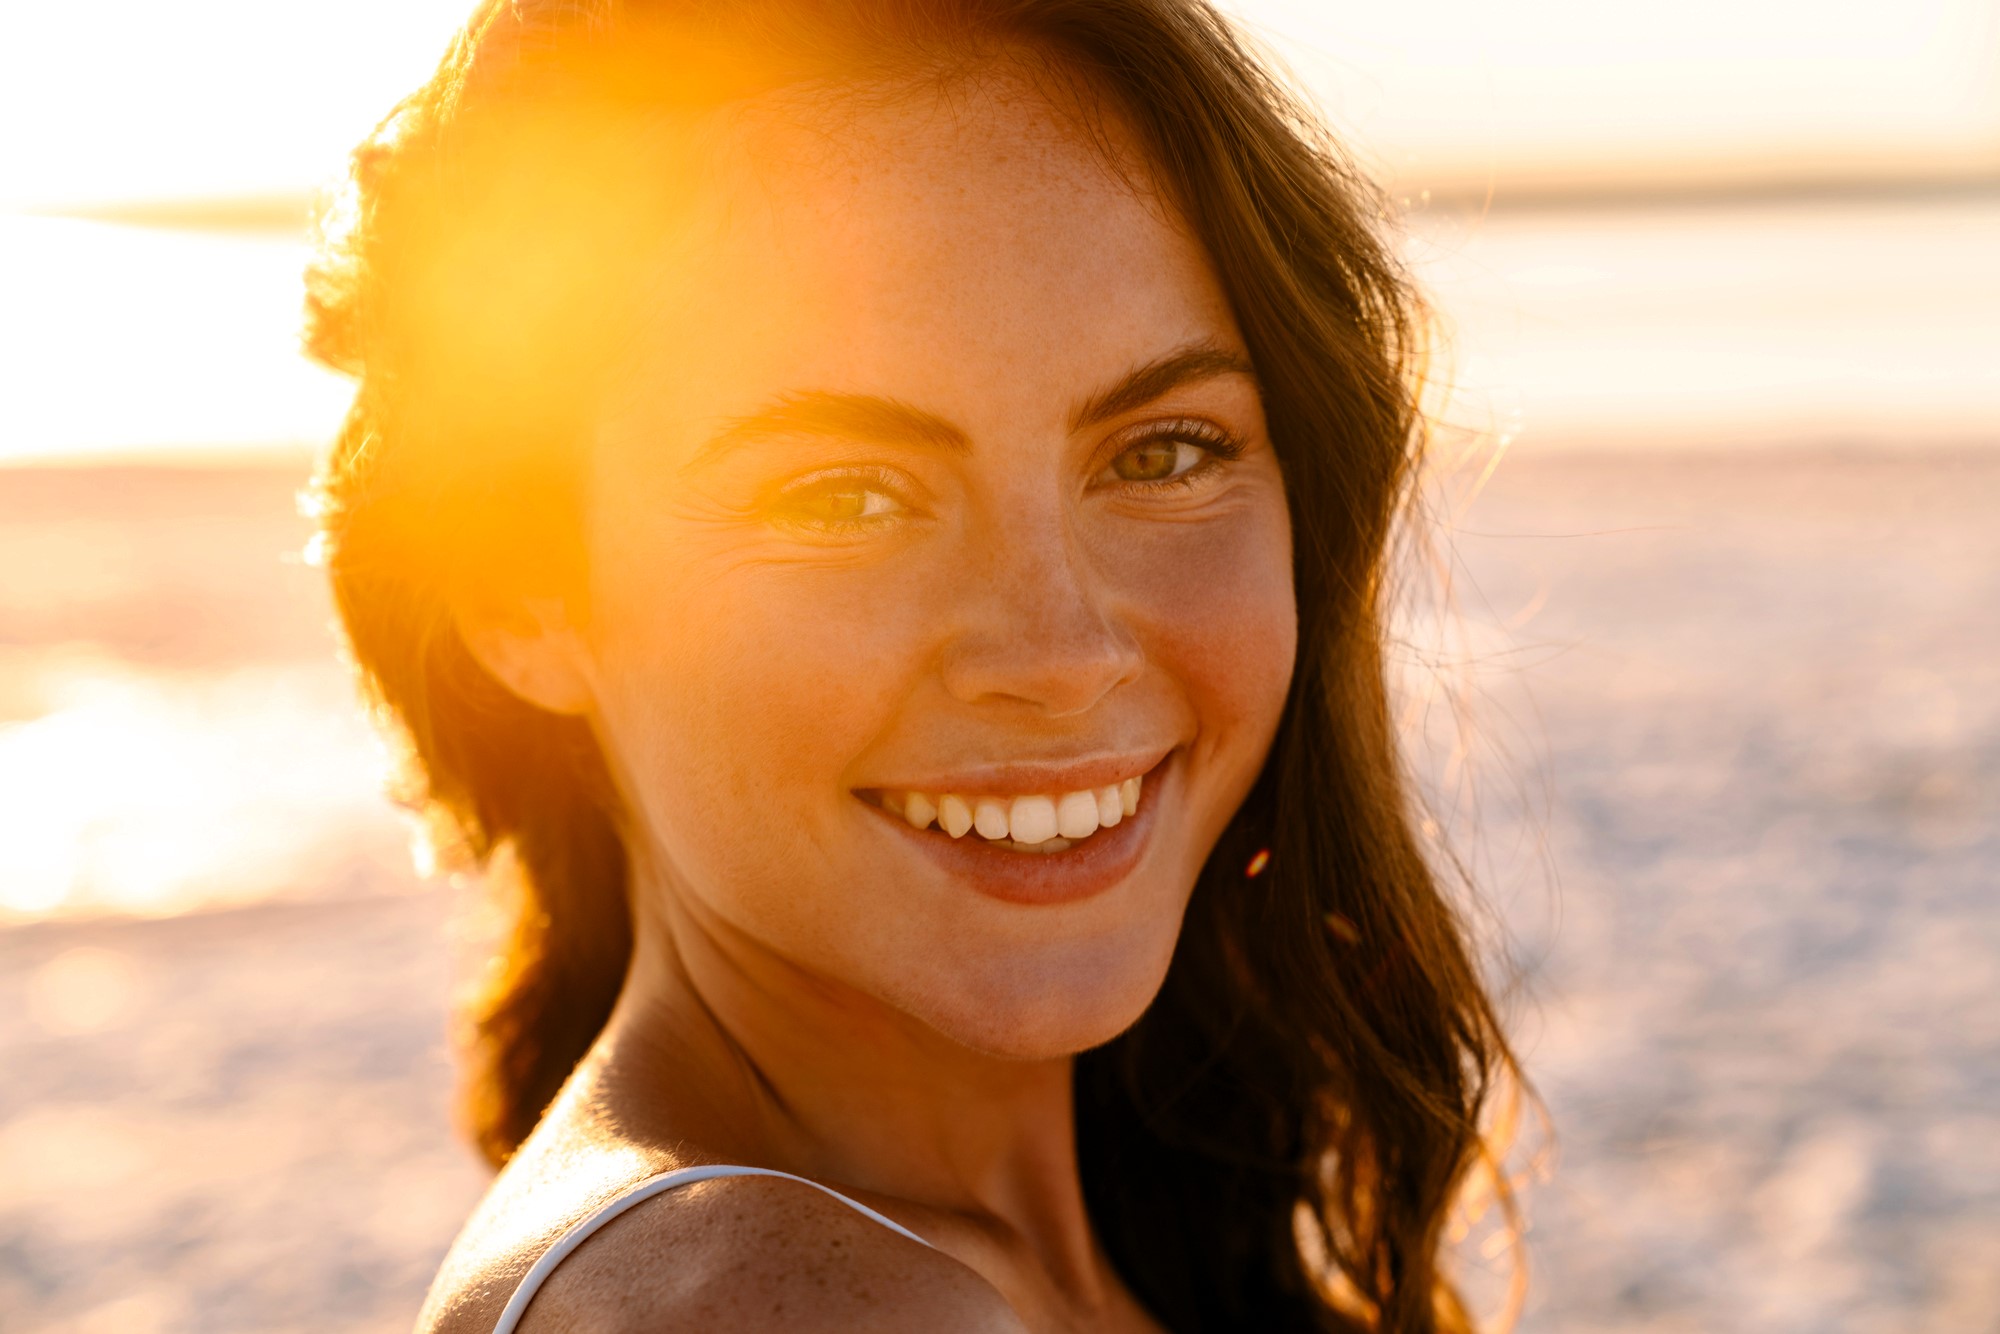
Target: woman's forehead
1016	108
972	240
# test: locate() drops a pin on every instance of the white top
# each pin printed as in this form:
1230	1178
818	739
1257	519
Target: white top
532	1281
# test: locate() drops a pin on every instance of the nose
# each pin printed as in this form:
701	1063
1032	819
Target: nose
1036	624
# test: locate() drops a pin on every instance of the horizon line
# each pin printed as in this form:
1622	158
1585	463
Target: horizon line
290	212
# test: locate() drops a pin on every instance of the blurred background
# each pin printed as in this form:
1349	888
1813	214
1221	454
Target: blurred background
1703	670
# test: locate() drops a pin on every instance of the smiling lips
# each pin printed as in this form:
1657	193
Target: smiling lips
1037	823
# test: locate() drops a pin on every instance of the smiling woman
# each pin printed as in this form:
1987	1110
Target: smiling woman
872	514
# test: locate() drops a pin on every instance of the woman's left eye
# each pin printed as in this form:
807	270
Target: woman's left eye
1162	458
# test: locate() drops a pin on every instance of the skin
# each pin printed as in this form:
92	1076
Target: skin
776	629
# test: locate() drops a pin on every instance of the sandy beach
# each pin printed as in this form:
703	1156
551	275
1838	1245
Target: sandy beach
1732	723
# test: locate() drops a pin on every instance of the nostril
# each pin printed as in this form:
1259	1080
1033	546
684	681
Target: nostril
1062	676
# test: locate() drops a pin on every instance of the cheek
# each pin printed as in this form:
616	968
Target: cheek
1220	617
735	695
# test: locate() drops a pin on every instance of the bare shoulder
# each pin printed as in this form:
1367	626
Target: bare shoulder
751	1253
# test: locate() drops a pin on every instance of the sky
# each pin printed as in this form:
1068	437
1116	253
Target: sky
131	99
1563	90
120	340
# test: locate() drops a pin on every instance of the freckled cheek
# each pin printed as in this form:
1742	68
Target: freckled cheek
1215	606
753	689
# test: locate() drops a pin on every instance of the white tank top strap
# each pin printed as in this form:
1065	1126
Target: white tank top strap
532	1281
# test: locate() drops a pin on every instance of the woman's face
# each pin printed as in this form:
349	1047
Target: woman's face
942	493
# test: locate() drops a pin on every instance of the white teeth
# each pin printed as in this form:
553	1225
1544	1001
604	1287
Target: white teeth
989	817
954	815
1032	819
1076	814
1037	823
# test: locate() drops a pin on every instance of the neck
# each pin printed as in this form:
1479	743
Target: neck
720	1043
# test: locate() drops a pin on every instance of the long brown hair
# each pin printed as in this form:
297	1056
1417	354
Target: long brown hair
1278	1143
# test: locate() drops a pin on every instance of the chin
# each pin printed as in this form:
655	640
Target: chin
1052	1008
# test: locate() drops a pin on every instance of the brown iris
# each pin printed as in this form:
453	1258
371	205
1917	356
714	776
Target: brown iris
1153	461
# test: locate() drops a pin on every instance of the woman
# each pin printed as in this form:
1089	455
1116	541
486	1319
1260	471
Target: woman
874	514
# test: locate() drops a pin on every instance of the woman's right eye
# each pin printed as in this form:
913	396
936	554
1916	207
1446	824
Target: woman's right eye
840	504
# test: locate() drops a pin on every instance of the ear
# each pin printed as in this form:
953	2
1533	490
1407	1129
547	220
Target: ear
532	647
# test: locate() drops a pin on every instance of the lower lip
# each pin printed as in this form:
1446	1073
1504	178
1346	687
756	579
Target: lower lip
1087	868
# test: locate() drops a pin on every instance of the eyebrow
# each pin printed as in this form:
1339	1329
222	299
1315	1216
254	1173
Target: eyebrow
890	421
821	412
1157	378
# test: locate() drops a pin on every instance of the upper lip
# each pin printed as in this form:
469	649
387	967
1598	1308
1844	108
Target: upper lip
1024	777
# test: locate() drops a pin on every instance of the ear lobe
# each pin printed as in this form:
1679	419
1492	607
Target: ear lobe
531	648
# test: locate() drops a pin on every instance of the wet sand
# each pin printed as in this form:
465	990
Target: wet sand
1735	735
1763	979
